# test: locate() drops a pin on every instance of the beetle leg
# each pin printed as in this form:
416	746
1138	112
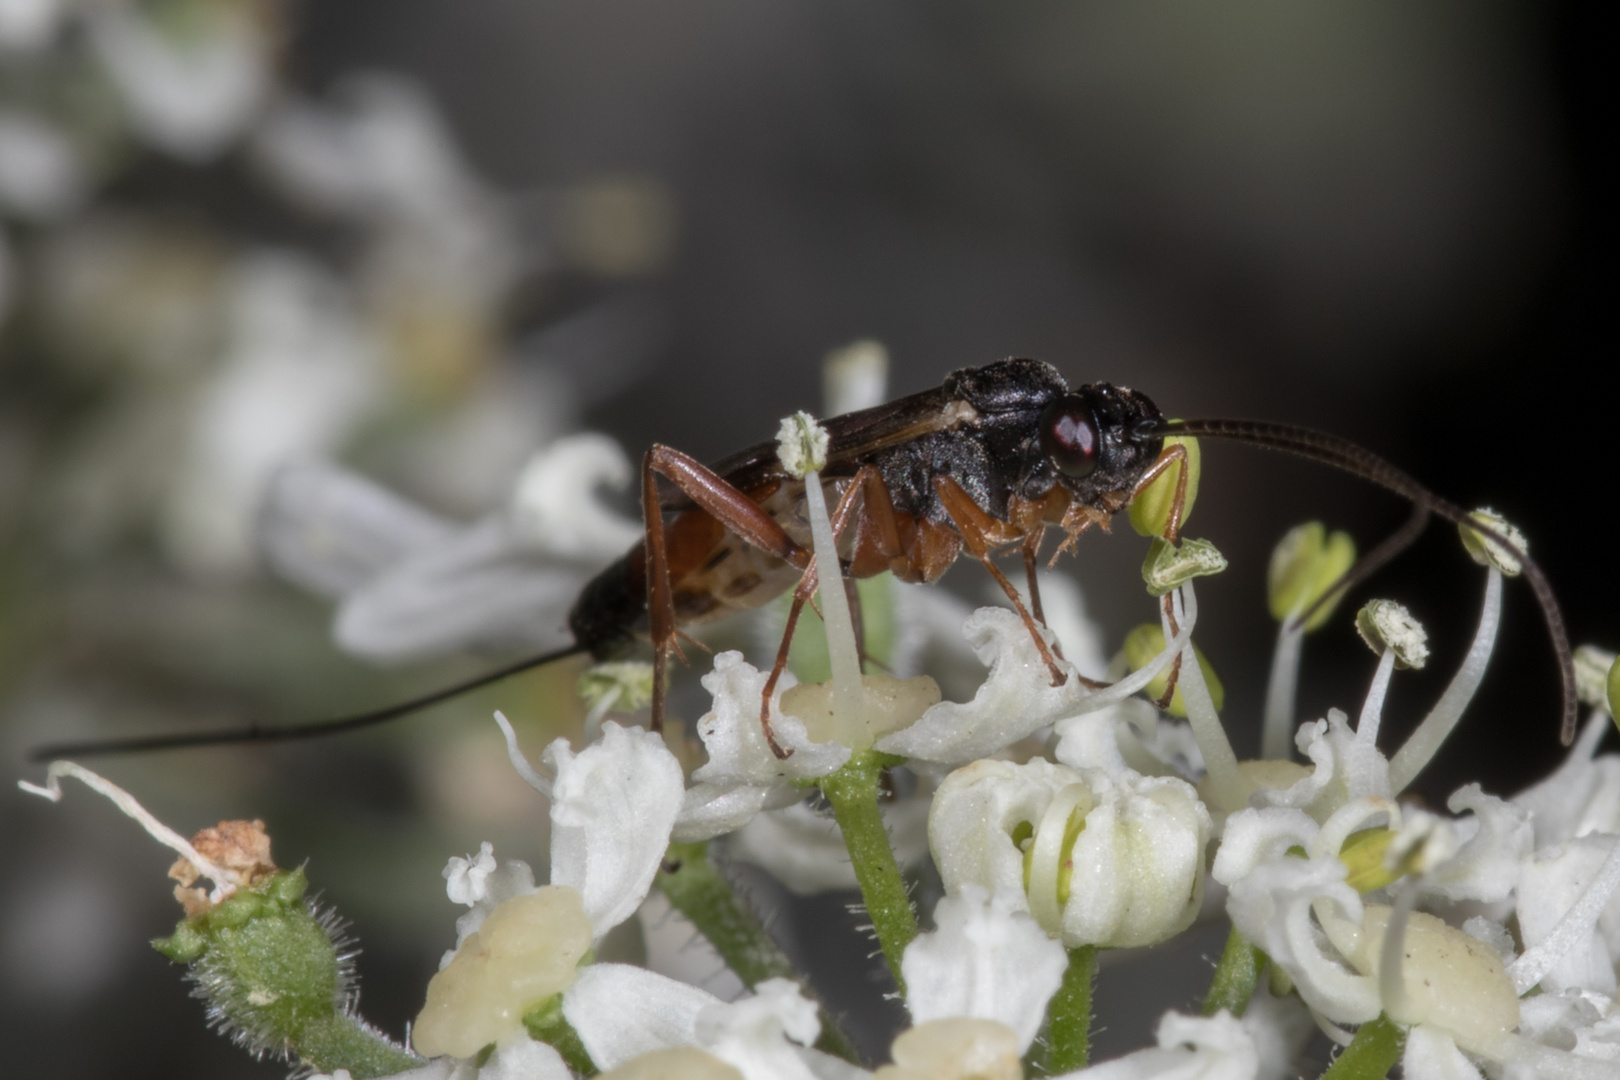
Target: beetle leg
805	590
733	509
977	530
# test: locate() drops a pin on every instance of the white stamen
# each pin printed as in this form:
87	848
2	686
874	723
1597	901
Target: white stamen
1138	680
52	790
1277	738
848	696
1046	862
1372	710
1205	722
531	776
1425	742
1534	963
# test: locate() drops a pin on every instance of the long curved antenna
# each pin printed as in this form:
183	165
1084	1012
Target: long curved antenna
1346	456
253	733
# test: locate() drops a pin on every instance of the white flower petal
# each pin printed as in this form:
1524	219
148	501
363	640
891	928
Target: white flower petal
525	1059
1487	866
1190	1048
331	530
621	1012
475	588
987	959
1271	906
612	807
738	751
710	810
805	850
554	506
1257	835
1551	885
1432	1055
752	1034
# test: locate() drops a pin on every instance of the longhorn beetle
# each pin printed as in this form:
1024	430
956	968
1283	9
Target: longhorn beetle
992	458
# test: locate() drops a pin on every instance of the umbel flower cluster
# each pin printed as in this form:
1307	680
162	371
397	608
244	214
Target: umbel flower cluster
1062	819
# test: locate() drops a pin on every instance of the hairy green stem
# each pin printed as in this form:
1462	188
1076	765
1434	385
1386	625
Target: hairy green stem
547	1024
853	793
698	890
1235	976
1068	1018
1371	1054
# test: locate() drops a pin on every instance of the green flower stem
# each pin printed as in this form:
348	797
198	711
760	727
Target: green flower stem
1235	976
547	1024
1068	1031
853	793
1371	1054
698	890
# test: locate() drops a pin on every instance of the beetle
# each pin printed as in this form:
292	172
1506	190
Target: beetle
992	458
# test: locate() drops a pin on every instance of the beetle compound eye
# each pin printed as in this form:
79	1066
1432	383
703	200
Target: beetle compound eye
1069	436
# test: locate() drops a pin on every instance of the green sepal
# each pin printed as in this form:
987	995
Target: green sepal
183	946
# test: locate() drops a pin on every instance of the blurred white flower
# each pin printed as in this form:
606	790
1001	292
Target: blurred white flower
188	93
299	372
41	177
28	25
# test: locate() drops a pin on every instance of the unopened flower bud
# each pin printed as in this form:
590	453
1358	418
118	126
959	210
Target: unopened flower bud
1111	859
1387	626
1169	566
1449	979
527	950
801	444
1593	668
1150	510
1486	551
1146	642
1307	562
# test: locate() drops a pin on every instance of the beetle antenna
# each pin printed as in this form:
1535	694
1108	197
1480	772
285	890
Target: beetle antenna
1346	456
253	733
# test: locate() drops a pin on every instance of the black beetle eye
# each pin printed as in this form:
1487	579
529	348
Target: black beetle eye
1069	436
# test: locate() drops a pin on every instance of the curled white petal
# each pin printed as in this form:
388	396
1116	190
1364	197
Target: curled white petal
976	811
987	959
710	810
1256	835
1564	897
1215	1047
1498	840
731	732
612	808
554	506
756	1034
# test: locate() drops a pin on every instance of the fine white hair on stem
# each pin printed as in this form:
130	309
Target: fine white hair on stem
531	776
1534	963
52	790
1372	710
1421	746
1205	722
1277	734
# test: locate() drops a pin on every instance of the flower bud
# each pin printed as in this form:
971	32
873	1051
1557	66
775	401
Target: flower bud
1387	626
1306	562
527	950
1169	566
1103	858
278	975
1449	979
1150	510
1146	642
1507	558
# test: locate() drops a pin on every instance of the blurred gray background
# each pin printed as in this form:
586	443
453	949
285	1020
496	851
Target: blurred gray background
1379	219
